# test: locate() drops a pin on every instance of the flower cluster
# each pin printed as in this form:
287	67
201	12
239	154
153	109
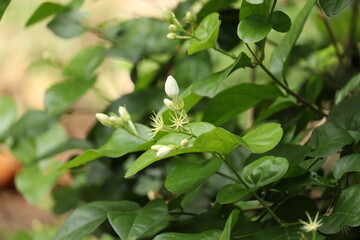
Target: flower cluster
121	121
176	28
311	226
179	119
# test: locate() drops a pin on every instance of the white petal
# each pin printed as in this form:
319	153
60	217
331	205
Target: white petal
163	151
171	87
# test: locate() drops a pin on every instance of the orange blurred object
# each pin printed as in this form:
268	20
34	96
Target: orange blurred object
9	165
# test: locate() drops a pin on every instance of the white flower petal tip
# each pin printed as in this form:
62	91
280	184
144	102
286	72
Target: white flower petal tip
311	226
103	119
184	143
156	147
163	151
171	87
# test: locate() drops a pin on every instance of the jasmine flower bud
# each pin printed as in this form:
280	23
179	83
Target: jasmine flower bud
184	142
171	36
124	113
163	151
190	17
173	28
116	121
156	147
168	103
103	119
171	87
168	15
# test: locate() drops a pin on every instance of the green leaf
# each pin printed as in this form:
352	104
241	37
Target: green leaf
280	21
281	53
313	88
253	29
308	179
209	86
347	114
264	171
36	180
232	219
263	138
208	235
8	114
229	103
84	63
87	218
3	5
67	24
328	139
206	34
333	7
149	156
60	96
43	11
346	211
352	86
185	175
248	9
120	143
349	163
70	144
218	140
231	193
132	225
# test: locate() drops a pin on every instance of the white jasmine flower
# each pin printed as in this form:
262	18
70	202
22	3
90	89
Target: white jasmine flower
184	142
156	147
168	103
163	151
103	119
311	225
171	87
157	124
179	120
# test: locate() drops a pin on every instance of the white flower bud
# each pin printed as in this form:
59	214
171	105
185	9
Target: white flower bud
171	87
184	142
163	151
173	28
116	121
190	17
168	103
103	119
168	15
171	36
156	147
124	113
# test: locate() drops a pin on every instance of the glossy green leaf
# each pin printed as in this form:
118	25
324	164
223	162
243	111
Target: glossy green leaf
45	10
248	9
185	175
313	88
68	145
36	180
349	163
307	179
3	5
87	218
328	139
30	124
280	21
120	143
276	107
230	102
352	86
84	63
231	193
209	86
206	34
132	225
208	235
68	24
281	53
213	6
218	140
149	156
264	171
346	211
253	29
8	114
333	7
60	96
263	138
231	221
347	114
